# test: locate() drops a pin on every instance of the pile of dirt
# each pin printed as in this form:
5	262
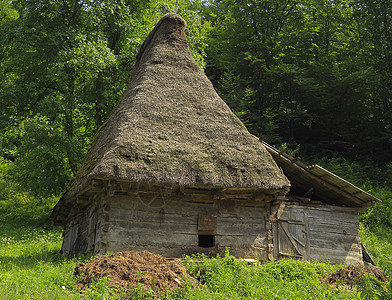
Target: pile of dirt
129	268
354	275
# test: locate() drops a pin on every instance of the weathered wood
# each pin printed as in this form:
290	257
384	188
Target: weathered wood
293	240
245	241
337	257
275	240
207	224
334	241
307	253
240	229
328	231
319	206
178	206
224	226
166	220
323	227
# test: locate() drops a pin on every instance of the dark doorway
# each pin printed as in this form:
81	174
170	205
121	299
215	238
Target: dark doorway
206	240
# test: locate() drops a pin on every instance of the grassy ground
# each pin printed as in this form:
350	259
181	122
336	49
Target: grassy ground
32	268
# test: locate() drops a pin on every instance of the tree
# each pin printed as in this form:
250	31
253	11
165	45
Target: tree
306	73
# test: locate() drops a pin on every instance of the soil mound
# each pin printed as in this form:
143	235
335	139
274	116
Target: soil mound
129	268
354	275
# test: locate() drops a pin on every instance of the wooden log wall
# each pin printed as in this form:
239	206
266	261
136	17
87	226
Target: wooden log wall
120	216
166	221
81	231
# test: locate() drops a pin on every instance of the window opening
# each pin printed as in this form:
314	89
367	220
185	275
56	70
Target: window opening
206	240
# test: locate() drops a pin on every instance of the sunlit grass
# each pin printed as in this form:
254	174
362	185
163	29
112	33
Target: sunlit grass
378	242
31	266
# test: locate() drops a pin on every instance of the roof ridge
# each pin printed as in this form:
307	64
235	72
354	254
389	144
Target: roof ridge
167	17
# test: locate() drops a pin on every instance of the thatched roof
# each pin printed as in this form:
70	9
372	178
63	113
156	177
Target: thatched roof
171	127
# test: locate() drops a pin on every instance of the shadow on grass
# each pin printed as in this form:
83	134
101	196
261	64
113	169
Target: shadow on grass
29	261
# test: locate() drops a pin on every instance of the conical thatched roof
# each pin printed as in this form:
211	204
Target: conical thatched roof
171	127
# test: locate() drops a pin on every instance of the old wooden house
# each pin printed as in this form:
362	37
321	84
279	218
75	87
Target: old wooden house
175	172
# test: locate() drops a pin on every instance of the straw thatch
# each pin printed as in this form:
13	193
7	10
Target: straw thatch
171	127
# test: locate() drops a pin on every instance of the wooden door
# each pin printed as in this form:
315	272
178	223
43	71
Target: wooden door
291	234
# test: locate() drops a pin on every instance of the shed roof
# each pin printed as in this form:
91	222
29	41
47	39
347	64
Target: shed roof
319	183
171	127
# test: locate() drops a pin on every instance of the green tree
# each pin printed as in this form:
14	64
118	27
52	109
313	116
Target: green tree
318	71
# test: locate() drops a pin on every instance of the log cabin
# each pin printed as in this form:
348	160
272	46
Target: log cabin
174	171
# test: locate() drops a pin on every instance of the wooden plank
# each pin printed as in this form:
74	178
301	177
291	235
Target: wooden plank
152	216
332	222
158	216
333	209
346	229
335	252
344	245
140	237
245	241
223	228
206	224
240	204
291	239
337	259
172	206
240	229
185	208
275	240
332	237
342	218
307	237
290	255
148	227
318	206
134	238
171	251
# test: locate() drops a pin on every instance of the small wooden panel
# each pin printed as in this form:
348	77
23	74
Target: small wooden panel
207	224
227	206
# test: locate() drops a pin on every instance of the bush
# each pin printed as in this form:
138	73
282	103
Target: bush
18	206
229	278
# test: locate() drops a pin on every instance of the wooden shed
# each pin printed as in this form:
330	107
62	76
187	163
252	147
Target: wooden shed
318	220
175	172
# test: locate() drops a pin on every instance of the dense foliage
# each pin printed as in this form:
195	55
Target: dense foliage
313	73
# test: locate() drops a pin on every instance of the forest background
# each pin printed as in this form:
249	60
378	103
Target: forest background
312	76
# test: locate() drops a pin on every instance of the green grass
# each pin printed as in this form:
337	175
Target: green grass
378	241
31	266
228	278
